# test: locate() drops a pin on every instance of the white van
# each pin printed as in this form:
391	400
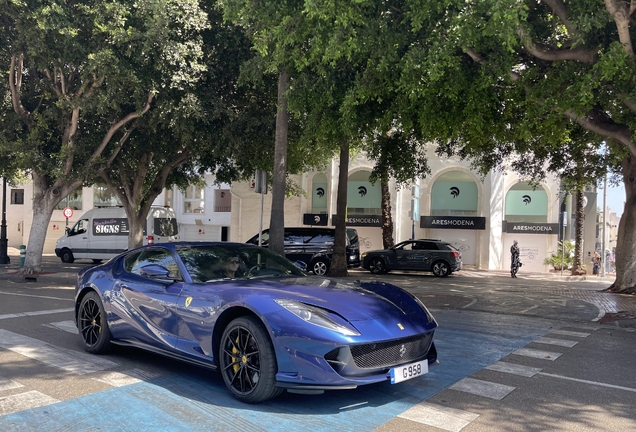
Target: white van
102	233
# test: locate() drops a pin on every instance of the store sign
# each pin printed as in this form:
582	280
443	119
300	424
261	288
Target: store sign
453	222
361	220
112	226
315	219
530	228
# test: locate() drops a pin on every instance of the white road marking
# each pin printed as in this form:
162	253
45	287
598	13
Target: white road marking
68	360
529	309
7	384
515	369
559	342
482	388
35	313
67	326
570	333
24	401
449	419
596	383
545	355
37	296
120	379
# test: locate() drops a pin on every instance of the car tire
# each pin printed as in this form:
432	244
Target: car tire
67	256
441	269
320	267
247	361
377	266
93	324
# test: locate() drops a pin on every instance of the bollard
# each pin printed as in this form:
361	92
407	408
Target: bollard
22	255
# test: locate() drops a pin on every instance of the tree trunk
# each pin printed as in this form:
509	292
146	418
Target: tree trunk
45	198
577	266
626	245
339	259
279	180
136	225
387	221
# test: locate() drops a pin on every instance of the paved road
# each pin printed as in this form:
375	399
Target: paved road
524	354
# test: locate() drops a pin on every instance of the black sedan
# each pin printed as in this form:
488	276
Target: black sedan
435	256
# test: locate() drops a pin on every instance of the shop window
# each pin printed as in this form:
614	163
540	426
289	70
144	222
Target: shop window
104	197
454	193
194	199
525	203
319	195
74	201
363	198
17	196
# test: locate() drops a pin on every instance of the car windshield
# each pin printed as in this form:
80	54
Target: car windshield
216	262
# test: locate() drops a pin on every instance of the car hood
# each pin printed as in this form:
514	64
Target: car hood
353	300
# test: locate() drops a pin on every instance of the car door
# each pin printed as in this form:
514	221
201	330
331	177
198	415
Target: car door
294	240
408	257
428	253
148	304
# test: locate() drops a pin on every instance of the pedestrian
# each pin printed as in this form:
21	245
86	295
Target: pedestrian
596	264
514	259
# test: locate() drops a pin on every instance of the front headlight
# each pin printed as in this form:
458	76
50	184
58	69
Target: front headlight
315	316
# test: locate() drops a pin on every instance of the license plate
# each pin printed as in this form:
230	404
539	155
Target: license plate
406	372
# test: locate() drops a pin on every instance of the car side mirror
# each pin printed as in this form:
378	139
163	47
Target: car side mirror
154	271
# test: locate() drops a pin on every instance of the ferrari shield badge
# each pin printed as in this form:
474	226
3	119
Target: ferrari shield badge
188	301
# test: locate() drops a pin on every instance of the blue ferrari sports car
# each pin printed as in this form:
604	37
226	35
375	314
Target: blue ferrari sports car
254	316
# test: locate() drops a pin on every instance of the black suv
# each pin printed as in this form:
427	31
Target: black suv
425	254
314	247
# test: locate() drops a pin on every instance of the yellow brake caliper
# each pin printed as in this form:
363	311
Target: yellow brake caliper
234	359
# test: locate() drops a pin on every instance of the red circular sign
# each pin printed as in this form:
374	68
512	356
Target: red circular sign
68	212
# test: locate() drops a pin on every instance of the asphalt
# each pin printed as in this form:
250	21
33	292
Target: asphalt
617	310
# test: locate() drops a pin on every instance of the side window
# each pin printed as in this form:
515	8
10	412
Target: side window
158	256
428	246
293	237
79	228
321	237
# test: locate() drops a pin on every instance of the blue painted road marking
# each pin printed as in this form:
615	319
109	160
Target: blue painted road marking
466	343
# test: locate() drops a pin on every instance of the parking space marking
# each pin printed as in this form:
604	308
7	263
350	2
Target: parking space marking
558	342
67	326
68	360
448	419
120	379
36	296
545	355
35	313
514	369
570	333
24	401
596	383
482	388
7	384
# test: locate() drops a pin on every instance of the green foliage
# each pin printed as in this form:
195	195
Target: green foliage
563	258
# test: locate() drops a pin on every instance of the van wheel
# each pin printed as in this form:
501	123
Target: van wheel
320	267
67	256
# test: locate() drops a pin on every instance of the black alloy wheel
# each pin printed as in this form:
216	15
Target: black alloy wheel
248	361
377	266
67	256
441	269
92	324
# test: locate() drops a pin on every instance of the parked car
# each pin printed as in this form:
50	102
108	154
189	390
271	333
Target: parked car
314	247
435	256
264	324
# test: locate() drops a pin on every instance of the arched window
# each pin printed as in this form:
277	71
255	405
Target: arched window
363	198
524	203
319	194
454	193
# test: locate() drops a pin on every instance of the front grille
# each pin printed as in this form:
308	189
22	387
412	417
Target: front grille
390	353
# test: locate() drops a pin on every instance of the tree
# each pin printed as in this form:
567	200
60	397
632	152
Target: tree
487	76
80	75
